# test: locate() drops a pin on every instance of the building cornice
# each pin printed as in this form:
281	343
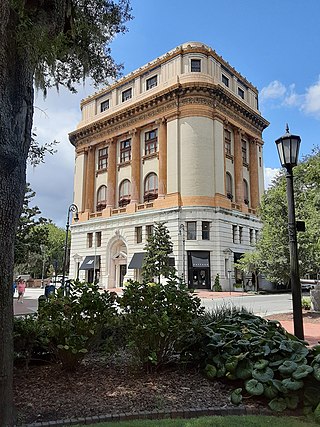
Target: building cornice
168	103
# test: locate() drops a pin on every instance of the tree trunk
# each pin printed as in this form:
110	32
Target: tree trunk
16	112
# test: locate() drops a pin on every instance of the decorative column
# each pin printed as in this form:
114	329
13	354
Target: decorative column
238	167
162	139
112	173
90	178
253	173
135	166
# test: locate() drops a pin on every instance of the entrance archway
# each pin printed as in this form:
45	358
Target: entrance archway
117	263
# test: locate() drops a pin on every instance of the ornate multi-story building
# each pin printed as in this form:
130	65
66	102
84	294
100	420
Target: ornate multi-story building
179	140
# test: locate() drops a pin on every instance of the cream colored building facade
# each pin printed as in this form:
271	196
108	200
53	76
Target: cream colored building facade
178	140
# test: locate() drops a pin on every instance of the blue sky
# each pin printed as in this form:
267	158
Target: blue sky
273	43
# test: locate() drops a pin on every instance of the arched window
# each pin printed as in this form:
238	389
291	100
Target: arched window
151	187
245	192
101	197
229	186
124	193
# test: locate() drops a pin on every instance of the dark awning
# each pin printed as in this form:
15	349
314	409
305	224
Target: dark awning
137	260
200	259
89	264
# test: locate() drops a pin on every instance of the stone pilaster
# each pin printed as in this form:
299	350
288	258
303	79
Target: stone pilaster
90	179
254	174
238	167
162	139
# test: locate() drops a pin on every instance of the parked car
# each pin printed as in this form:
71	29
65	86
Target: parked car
307	284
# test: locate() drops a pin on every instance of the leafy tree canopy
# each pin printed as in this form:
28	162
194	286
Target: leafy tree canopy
271	256
156	261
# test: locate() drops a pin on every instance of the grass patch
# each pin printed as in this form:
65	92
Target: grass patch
216	421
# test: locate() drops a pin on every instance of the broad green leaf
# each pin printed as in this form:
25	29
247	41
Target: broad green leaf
278	404
254	387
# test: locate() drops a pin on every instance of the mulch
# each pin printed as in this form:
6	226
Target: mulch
45	393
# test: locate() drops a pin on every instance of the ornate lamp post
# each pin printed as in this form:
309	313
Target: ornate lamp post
288	148
72	208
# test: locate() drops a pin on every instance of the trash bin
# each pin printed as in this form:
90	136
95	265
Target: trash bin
41	300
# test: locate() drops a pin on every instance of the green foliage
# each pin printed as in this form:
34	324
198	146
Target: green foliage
158	319
306	303
29	339
74	322
271	256
217	286
29	236
158	248
69	41
271	362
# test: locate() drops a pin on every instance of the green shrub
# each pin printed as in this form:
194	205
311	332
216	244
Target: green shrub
29	339
217	286
74	322
269	361
158	319
306	303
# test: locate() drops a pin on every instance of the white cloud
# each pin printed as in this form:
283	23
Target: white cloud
274	90
269	175
311	104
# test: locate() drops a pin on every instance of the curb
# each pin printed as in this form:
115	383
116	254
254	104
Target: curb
153	415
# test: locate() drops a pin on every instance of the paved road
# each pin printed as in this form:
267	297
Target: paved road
261	305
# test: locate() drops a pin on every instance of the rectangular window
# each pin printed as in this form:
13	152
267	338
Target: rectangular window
151	141
260	162
126	94
227	142
103	158
241	92
89	240
205	230
149	230
257	103
98	239
257	235
195	65
244	151
152	82
139	234
191	230
240	234
125	151
225	80
234	234
104	106
251	236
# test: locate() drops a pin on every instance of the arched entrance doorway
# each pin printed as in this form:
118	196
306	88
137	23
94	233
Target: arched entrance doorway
117	263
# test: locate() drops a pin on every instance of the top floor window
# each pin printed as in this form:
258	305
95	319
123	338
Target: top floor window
98	239
125	151
126	94
241	92
152	82
149	231
151	140
103	158
244	150
124	193
227	142
104	105
195	65
225	80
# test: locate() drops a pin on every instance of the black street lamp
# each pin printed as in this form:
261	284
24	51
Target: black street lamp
288	148
72	208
